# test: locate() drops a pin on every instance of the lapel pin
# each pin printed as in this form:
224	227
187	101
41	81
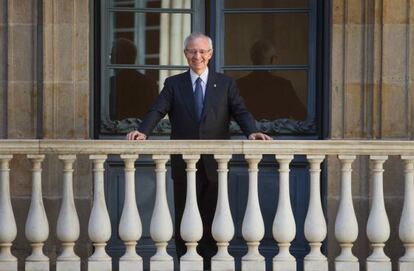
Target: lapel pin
215	85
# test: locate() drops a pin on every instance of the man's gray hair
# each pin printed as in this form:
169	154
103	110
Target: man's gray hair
197	35
262	51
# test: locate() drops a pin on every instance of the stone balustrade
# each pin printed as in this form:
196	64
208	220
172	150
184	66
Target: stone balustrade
161	228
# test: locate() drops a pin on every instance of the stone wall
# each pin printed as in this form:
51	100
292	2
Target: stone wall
372	97
45	86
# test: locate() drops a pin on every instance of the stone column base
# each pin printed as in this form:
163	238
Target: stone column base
346	266
68	265
162	265
405	266
315	265
99	266
36	266
378	266
222	265
284	266
8	266
191	265
253	265
134	265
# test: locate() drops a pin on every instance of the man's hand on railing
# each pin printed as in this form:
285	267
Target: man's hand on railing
136	135
259	136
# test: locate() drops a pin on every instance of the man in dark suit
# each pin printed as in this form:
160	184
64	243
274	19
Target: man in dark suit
200	104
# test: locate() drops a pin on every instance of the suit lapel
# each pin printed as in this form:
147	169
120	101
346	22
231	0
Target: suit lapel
210	88
188	94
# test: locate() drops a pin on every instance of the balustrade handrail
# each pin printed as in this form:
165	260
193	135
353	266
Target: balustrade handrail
308	147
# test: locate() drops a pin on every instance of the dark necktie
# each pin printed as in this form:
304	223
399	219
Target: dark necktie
198	98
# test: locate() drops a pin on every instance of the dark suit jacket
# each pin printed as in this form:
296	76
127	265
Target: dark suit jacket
222	102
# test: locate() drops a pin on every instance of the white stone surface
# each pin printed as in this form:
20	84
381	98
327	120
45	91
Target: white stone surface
406	232
37	226
315	265
346	266
162	265
379	266
191	228
191	265
284	265
253	225
404	266
135	265
284	226
68	265
315	224
222	265
38	266
99	227
161	227
99	266
68	229
258	265
8	266
8	229
346	225
378	226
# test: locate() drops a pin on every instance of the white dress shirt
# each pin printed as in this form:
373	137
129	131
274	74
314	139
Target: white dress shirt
203	76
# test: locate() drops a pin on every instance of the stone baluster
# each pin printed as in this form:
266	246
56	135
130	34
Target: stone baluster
130	228
284	227
37	226
68	222
8	230
315	224
222	228
191	228
406	233
346	225
378	226
253	225
161	228
99	227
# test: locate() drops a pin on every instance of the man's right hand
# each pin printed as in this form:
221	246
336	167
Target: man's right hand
136	135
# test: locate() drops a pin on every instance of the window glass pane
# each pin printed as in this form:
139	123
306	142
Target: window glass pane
151	3
266	39
131	92
265	3
148	38
273	95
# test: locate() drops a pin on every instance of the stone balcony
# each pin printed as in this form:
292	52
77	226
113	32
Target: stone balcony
346	230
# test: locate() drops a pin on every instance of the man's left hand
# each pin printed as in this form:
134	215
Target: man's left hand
259	136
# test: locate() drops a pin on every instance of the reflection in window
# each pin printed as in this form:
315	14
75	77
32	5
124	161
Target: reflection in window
288	33
139	38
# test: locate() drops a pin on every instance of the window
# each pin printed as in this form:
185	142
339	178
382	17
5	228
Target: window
269	47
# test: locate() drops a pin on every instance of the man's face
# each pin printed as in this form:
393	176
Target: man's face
198	54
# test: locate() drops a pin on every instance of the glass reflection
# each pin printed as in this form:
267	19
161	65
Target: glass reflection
265	4
288	33
158	37
131	92
274	95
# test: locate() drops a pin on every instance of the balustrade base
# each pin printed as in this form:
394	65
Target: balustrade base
284	266
405	266
379	266
130	265
347	266
99	266
316	265
162	265
8	266
67	265
36	266
253	265
222	265
191	265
